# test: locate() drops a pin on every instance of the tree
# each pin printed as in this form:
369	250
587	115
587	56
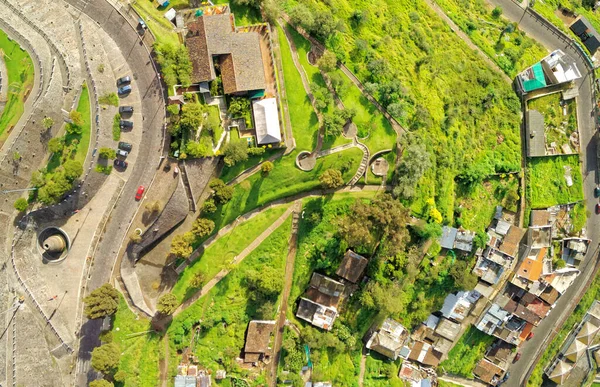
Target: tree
209	206
415	161
107	153
47	122
191	117
101	383
101	302
21	204
300	15
222	192
238	107
325	24
167	304
271	10
153	207
203	227
496	12
397	110
56	145
73	169
73	129
105	358
235	152
198	280
331	179
463	278
265	284
76	117
181	246
266	167
328	62
198	149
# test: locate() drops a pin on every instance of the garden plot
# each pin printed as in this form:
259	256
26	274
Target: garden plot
559	125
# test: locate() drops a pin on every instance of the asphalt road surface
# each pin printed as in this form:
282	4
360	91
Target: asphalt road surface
586	121
153	102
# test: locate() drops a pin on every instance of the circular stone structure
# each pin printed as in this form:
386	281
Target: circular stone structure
53	244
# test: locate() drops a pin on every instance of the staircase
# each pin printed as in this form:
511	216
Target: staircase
364	163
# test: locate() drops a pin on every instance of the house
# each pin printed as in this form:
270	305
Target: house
266	121
448	329
214	39
541	218
534	129
587	33
320	302
457	306
488	372
257	340
561	279
489	271
204	379
574	250
452	238
531	268
554	69
185	381
510	242
560	372
575	351
448	237
424	353
389	339
501	354
352	266
417	376
587	333
518	309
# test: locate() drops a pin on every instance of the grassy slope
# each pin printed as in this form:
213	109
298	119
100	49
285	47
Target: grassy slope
219	254
469	349
84	138
140	354
517	50
547	185
20	75
229	302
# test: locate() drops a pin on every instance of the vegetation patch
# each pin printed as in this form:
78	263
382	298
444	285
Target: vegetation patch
560	120
547	185
116	128
109	99
467	352
20	72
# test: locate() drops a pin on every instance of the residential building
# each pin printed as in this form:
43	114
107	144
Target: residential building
554	69
185	381
417	376
214	39
319	304
457	306
389	339
488	271
424	353
258	338
352	267
488	372
560	372
266	121
587	33
447	329
453	238
574	250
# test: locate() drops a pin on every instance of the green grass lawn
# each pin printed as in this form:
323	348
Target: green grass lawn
18	82
305	125
547	185
139	353
154	17
467	351
593	293
558	126
226	310
512	51
377	369
220	253
479	203
229	173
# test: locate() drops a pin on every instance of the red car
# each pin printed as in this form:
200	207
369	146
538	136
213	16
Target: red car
516	359
529	336
140	192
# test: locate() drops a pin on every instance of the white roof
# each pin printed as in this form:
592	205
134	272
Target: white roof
170	14
266	121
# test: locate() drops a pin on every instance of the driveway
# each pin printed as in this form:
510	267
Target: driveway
585	117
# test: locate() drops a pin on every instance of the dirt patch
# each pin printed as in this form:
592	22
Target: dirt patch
566	16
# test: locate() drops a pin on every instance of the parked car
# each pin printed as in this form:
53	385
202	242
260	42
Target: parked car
120	164
124	90
122	153
597	191
124	80
126	124
529	336
140	192
597	208
125	146
517	357
125	109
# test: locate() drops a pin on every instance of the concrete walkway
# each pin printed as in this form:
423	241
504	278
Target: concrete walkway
238	258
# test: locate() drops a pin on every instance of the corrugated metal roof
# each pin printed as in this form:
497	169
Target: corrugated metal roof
538	81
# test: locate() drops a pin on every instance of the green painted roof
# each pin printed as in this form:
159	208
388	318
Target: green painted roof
538	80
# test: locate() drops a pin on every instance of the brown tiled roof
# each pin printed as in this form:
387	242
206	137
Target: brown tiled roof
539	307
324	290
228	74
432	357
510	243
487	371
258	336
195	42
550	295
522	312
540	218
247	62
352	266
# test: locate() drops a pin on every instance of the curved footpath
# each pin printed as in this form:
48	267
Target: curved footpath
553	40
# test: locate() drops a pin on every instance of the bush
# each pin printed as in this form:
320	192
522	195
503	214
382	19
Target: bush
101	383
238	107
331	178
256	151
181	246
105	358
101	302
103	169
56	144
266	167
76	117
47	123
107	153
116	129
167	304
21	204
209	206
203	227
222	193
109	99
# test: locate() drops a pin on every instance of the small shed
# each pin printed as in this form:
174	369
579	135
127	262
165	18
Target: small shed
352	266
257	340
266	121
448	237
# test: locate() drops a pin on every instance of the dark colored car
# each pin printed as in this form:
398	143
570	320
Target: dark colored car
126	124
140	192
517	357
124	80
120	164
125	146
597	208
123	90
125	109
597	191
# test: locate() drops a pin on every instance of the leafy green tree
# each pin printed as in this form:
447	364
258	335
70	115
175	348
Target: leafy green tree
107	153
184	66
191	117
415	161
198	280
266	167
203	227
464	279
173	109
21	204
73	169
181	246
47	122
76	117
167	304
331	179
266	283
235	152
238	107
101	302
300	15
56	144
72	128
328	62
222	192
209	206
105	358
101	383
272	10
497	12
198	149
